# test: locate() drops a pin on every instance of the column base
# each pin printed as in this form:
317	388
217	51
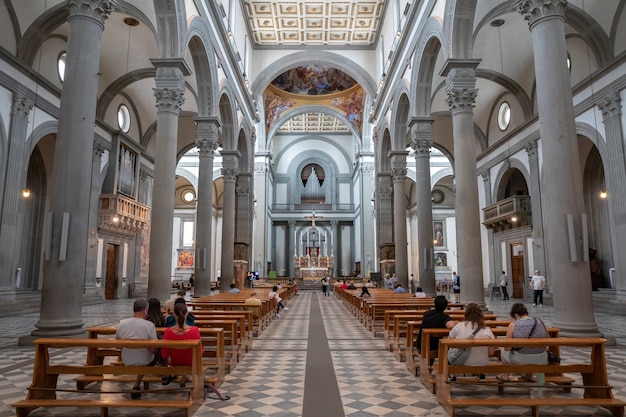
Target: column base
58	329
578	330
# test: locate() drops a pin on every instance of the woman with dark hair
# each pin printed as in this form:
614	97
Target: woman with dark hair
365	293
154	313
524	327
279	300
182	331
473	325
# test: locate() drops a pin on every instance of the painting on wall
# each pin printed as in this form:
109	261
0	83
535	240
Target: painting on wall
438	233
185	259
441	259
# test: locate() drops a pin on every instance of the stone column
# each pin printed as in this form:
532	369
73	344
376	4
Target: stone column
538	249
568	266
64	267
229	172
384	217
170	86
611	108
398	170
243	220
421	142
461	96
290	235
207	132
334	244
15	181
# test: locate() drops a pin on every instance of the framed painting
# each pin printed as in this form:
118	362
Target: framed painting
441	259
438	233
185	259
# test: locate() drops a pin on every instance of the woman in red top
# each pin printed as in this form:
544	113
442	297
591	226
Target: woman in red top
182	331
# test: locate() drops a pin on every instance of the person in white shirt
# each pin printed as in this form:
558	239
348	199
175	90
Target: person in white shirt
419	293
137	328
537	284
503	284
279	300
474	319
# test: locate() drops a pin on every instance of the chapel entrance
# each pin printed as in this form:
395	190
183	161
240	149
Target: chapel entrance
517	269
110	283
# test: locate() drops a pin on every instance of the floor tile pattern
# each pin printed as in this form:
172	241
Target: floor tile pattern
269	381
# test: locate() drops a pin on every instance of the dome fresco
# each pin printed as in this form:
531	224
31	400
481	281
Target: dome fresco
313	80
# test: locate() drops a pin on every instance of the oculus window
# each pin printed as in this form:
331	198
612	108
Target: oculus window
504	116
61	66
123	118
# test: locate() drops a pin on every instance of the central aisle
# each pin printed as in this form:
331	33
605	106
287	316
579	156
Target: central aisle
317	360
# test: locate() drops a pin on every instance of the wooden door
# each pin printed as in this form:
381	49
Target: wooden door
110	283
518	279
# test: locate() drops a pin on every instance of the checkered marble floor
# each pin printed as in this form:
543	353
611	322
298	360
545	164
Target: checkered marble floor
270	380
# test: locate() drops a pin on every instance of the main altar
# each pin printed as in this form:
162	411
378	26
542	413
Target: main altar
309	265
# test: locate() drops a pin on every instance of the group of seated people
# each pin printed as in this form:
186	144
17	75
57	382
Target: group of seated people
473	325
147	316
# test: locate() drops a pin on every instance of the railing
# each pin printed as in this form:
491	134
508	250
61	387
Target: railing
121	214
514	210
313	206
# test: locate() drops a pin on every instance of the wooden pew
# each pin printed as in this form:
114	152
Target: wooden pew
596	389
46	371
213	356
498	328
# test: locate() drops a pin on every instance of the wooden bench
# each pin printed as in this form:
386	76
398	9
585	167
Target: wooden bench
596	389
213	356
43	389
498	328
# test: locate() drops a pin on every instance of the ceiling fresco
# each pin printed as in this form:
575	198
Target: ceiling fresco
313	80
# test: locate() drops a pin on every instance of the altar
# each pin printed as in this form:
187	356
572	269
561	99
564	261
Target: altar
313	267
311	264
313	273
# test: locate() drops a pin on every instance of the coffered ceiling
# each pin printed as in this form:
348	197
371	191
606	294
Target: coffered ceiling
321	22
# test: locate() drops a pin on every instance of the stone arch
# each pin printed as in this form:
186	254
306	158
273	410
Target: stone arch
429	45
457	25
309	109
330	167
228	116
205	66
511	87
56	16
319	57
171	21
400	117
503	175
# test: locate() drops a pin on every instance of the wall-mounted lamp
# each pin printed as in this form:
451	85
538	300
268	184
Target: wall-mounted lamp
115	219
26	192
513	219
603	194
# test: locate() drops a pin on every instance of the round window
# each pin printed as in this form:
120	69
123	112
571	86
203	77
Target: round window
504	116
123	118
188	196
61	66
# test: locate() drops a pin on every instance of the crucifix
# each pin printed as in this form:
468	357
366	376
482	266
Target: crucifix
313	217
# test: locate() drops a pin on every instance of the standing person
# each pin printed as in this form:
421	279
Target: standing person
192	289
326	286
504	282
138	328
474	323
537	284
182	331
387	282
435	319
394	280
456	287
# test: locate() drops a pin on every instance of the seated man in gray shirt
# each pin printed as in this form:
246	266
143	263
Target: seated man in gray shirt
138	328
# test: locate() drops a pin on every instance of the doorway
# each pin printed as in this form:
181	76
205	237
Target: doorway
517	269
110	284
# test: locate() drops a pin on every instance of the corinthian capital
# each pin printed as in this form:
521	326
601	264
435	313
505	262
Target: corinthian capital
611	106
97	10
535	10
169	100
230	174
22	106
